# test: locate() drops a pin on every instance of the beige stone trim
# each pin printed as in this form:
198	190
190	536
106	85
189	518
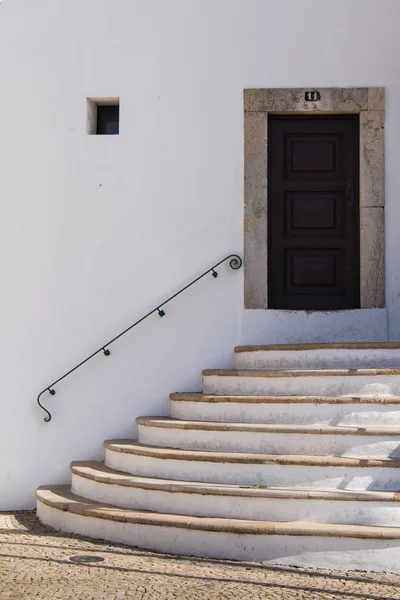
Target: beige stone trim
369	103
208	398
322	346
180	424
270	373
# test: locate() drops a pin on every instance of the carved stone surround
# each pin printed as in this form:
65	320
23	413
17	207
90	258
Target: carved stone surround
369	103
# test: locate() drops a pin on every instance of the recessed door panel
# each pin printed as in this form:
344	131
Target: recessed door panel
313	212
315	155
312	155
311	269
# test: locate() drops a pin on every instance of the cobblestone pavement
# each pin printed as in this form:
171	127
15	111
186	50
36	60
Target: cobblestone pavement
35	564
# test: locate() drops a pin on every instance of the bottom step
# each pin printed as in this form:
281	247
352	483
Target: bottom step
350	547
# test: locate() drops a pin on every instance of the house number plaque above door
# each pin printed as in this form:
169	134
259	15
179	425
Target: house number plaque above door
312	96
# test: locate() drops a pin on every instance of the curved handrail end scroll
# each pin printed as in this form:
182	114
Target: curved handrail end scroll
52	392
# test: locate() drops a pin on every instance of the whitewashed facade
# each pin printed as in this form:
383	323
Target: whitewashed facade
97	230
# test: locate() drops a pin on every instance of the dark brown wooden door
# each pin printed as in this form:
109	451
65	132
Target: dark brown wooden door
313	226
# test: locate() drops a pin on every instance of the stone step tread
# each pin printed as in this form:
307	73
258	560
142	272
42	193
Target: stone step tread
170	423
61	498
324	346
129	446
214	398
299	372
99	472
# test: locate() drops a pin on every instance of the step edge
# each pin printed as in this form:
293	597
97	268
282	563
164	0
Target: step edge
319	346
74	504
136	448
277	373
215	398
186	425
220	489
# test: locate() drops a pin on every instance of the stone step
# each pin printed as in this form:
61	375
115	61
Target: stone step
294	543
130	456
361	442
97	482
337	382
310	410
319	356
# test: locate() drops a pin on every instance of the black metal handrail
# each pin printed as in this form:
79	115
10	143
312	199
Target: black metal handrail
235	263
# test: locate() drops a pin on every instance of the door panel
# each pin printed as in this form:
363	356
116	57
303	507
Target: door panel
313	212
308	155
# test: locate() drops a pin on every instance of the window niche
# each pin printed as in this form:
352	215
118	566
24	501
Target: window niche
102	116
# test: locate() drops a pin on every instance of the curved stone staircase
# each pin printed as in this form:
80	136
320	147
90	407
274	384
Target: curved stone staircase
292	458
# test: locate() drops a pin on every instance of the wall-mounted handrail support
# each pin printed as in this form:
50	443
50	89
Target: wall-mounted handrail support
235	263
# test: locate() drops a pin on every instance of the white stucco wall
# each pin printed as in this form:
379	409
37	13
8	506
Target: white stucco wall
94	231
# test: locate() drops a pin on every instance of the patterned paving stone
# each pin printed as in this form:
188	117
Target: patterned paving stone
35	564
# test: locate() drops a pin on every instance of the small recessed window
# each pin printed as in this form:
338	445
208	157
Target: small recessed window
107	120
103	116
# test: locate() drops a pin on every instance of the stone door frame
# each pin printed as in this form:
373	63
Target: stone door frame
369	103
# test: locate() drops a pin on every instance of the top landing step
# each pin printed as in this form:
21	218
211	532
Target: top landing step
321	346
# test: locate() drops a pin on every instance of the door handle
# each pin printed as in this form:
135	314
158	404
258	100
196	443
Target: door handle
350	197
